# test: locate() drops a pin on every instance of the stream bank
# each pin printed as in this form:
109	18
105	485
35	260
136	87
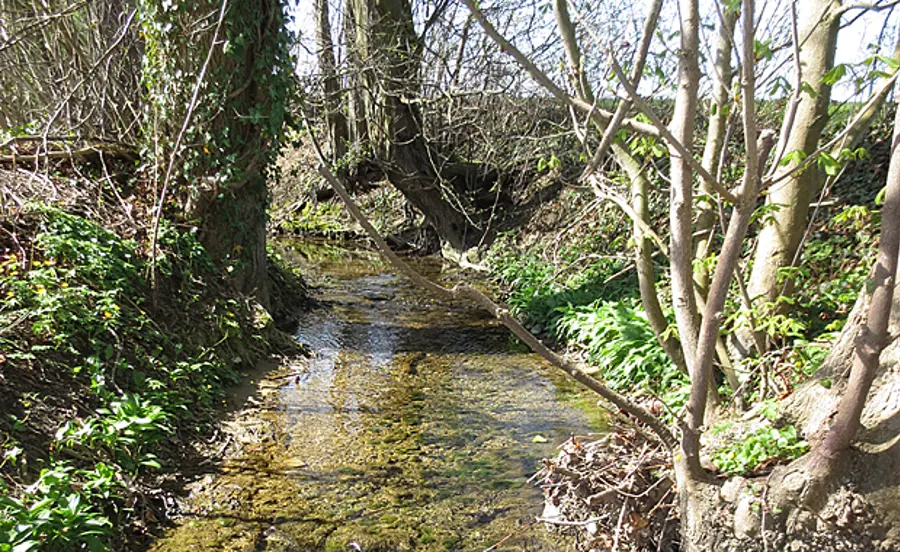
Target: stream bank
416	426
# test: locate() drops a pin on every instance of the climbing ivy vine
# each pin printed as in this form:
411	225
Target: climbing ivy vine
232	129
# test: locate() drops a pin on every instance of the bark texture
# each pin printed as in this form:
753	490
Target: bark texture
681	192
386	45
791	195
719	114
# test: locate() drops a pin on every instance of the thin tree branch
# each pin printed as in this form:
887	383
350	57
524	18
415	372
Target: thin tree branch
600	116
666	134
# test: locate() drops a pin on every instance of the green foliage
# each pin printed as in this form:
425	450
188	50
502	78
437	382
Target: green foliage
617	337
320	219
766	444
78	307
549	164
837	73
645	147
60	511
123	429
256	48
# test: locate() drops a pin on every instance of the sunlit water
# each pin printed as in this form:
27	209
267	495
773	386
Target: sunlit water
415	426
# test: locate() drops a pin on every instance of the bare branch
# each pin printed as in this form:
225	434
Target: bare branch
600	116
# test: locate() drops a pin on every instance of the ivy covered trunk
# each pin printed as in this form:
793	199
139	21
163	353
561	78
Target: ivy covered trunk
217	77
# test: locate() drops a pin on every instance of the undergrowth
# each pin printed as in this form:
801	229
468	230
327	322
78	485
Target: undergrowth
594	310
138	372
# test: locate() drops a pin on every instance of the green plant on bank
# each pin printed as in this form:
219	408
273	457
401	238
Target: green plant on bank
538	290
765	444
61	511
123	429
605	321
319	219
78	303
618	340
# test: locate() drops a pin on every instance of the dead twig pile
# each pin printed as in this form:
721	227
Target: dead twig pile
616	493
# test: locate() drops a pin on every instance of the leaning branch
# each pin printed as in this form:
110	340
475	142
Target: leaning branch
467	292
873	335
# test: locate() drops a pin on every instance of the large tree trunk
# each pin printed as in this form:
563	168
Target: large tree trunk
386	40
229	139
781	234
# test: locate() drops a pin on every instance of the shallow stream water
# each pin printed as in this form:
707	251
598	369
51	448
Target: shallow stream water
415	426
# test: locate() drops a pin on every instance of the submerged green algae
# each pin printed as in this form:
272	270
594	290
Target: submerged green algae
413	428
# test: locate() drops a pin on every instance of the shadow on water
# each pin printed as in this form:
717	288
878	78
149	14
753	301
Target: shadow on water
414	427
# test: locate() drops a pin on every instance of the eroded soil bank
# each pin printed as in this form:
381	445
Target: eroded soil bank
415	426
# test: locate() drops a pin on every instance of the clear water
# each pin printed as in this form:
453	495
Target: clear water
415	426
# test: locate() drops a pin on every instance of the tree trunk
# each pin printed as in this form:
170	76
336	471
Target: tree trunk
338	134
873	337
719	113
385	38
231	140
780	235
358	128
681	192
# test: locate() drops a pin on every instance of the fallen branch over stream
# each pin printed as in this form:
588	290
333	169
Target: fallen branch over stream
463	291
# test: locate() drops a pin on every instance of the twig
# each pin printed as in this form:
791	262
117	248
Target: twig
598	115
565	523
619	525
509	536
12	325
65	101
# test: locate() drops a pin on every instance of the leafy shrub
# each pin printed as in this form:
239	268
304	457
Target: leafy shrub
538	291
76	306
123	429
58	512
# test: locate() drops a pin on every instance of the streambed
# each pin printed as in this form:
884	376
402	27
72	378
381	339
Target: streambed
415	426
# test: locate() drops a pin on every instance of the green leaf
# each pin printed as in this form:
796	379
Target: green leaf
836	74
806	87
762	50
879	197
890	62
829	164
797	156
151	463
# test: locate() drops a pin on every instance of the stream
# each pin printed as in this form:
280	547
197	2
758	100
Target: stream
415	425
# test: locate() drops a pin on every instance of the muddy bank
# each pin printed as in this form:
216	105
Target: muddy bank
415	426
